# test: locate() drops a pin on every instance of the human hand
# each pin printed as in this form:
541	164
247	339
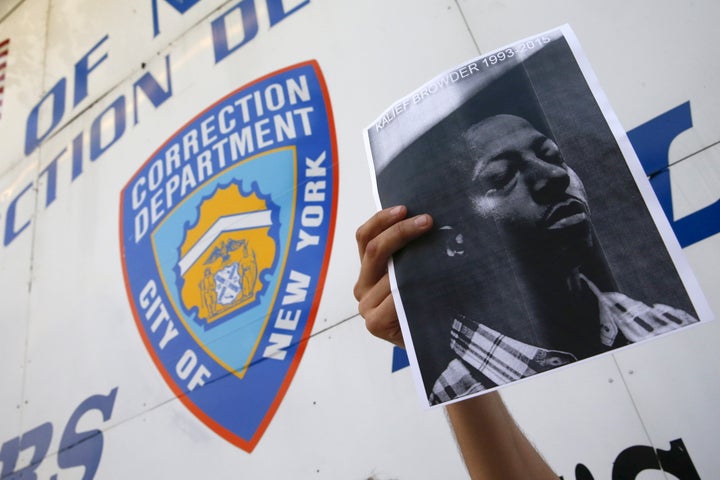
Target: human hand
492	445
382	235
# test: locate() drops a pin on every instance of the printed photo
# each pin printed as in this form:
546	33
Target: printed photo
544	250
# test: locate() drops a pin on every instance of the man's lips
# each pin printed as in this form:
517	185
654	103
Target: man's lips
568	213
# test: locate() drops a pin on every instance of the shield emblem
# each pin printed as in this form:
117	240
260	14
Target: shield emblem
225	248
225	256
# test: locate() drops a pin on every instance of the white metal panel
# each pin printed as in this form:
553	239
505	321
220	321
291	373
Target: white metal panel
345	415
694	179
672	380
77	27
23	77
79	307
577	415
669	384
337	421
705	262
649	56
15	286
81	331
7	7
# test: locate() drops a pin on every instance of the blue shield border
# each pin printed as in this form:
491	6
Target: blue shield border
240	409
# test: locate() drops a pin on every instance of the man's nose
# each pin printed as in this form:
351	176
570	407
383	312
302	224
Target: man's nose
546	180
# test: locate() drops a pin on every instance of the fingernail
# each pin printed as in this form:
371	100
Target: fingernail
396	210
421	220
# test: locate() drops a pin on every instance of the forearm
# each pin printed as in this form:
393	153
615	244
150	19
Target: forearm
491	443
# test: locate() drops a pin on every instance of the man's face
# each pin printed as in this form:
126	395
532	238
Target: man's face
519	179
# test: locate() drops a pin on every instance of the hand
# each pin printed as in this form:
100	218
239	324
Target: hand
491	444
384	234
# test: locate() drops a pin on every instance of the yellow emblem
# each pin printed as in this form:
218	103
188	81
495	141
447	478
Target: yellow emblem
225	253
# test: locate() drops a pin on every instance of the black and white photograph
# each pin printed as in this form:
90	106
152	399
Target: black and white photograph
547	245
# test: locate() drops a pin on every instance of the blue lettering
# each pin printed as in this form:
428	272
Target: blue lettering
400	359
84	449
277	13
83	69
10	232
181	6
8	456
248	15
51	170
96	144
32	136
152	89
39	439
77	151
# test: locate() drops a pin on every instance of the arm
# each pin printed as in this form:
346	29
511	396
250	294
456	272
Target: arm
490	442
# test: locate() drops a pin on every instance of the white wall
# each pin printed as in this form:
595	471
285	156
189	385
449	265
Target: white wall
68	333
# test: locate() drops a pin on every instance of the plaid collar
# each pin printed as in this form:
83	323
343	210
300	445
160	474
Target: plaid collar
496	359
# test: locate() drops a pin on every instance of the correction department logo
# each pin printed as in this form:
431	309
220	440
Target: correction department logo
226	254
225	239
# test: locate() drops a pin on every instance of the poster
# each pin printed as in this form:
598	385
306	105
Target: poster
548	246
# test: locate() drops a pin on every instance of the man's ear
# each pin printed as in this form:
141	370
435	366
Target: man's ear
452	241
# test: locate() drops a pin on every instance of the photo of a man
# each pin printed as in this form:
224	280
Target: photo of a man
543	250
518	184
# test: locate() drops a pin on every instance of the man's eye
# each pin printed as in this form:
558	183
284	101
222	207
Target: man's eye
500	180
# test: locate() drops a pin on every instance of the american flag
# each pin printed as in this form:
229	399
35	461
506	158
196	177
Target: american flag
4	49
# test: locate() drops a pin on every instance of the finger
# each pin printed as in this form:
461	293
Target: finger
380	248
383	322
376	224
372	296
378	309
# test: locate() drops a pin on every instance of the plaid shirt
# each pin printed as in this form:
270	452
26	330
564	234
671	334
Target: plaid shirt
486	358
